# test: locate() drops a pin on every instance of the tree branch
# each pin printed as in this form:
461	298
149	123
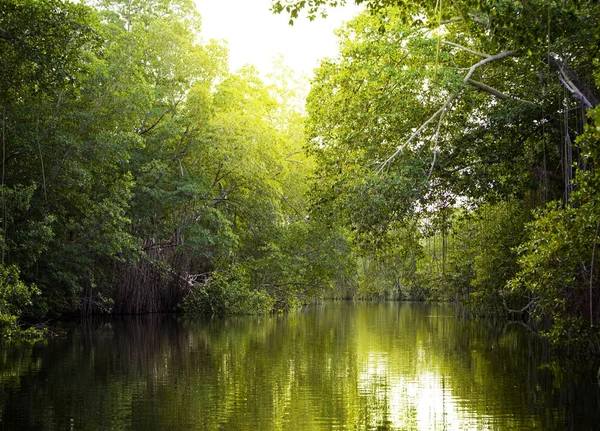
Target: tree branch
451	20
532	302
464	48
418	131
579	89
573	89
148	129
446	104
481	86
432	164
488	60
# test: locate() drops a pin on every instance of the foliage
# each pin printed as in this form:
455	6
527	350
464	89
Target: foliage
463	117
387	268
134	163
227	293
363	112
300	263
558	262
15	297
482	257
555	270
137	169
41	44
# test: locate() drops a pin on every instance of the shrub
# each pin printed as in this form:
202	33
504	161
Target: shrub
227	293
14	297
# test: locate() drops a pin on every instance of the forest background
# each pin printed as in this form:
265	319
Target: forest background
447	153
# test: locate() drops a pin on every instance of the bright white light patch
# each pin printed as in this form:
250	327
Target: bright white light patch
256	36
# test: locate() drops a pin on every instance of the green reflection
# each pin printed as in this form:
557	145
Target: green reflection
342	365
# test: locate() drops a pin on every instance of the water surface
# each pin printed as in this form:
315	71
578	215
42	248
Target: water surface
335	366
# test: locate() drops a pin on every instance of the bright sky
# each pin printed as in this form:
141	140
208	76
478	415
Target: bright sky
256	36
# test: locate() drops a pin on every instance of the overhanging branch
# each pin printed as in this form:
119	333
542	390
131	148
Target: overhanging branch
446	105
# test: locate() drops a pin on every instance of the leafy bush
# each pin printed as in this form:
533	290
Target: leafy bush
478	257
555	268
227	293
14	296
300	262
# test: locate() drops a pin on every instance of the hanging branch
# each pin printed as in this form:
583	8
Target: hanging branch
480	85
573	89
435	140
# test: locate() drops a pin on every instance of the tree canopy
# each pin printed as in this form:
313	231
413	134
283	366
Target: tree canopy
137	169
448	120
448	152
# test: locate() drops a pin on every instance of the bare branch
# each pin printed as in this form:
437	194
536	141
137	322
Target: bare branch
572	82
573	89
497	93
432	164
487	60
418	131
435	140
451	20
464	48
522	310
148	129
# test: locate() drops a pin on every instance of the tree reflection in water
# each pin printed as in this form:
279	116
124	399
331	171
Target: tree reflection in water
340	365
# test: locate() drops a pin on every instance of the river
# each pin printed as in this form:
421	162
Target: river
334	366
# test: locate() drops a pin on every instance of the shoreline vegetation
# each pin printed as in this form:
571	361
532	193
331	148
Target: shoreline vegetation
446	154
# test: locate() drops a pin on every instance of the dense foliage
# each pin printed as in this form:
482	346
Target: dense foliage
450	154
136	168
458	143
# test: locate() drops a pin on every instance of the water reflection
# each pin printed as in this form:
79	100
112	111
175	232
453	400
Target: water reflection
365	366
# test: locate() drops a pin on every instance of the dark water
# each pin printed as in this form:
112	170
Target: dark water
341	365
